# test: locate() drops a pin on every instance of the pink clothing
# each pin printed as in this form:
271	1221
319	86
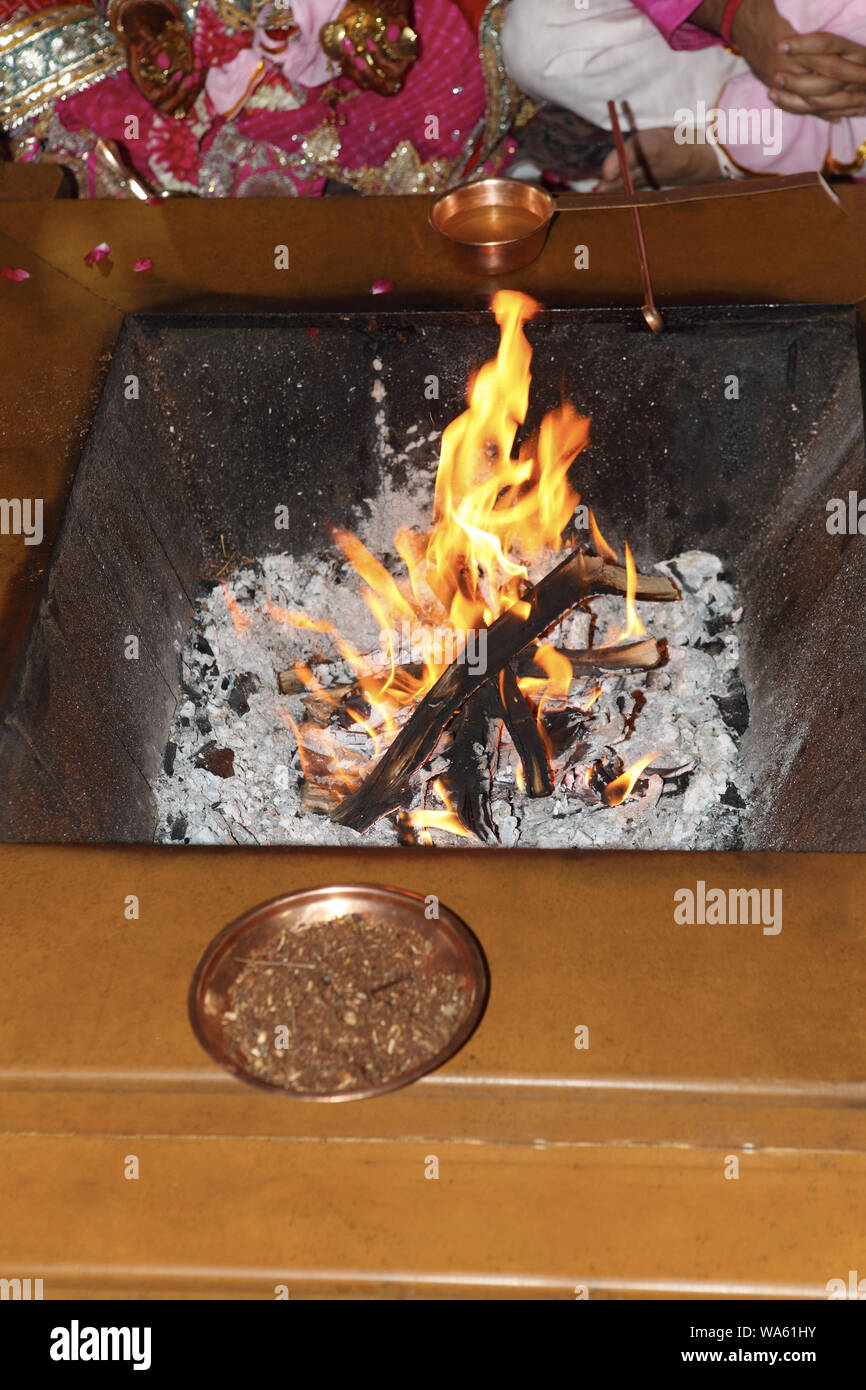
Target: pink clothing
671	17
763	139
299	57
296	126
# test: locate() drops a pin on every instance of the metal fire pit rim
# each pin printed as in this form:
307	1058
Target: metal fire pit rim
214	312
232	934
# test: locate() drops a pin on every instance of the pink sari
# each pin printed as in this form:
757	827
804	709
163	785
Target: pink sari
287	138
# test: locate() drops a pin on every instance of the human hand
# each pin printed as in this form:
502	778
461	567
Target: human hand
830	78
374	46
159	56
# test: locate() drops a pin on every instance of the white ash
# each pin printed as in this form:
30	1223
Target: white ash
231	706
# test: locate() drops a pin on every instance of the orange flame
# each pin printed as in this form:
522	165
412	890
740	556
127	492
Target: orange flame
496	512
602	548
240	619
447	820
616	791
493	515
633	627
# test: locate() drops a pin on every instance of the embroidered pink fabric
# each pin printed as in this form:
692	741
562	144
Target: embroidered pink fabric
299	58
446	80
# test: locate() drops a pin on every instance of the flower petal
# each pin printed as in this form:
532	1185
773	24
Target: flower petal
98	253
143	263
382	287
11	273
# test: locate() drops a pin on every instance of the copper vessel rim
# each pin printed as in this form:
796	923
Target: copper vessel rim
398	898
523	195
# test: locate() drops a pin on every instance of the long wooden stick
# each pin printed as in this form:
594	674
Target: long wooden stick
644	655
648	308
585	661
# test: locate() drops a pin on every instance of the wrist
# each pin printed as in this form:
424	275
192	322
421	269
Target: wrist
729	19
756	22
708	15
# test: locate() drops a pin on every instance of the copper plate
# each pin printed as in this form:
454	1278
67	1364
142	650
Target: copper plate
455	949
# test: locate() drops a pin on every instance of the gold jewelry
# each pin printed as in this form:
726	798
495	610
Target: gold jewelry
360	25
836	166
174	43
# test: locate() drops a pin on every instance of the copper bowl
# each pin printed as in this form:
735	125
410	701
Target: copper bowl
455	949
495	225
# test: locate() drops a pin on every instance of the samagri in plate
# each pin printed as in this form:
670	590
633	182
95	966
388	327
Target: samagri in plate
337	993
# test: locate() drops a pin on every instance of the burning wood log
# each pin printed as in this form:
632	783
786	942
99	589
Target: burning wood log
578	575
321	790
523	728
586	661
644	655
468	780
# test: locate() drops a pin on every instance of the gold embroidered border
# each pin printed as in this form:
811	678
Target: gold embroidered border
30	26
836	166
50	55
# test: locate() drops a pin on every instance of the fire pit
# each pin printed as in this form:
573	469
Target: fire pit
228	452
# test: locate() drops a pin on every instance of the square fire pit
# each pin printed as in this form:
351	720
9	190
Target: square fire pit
704	1041
731	434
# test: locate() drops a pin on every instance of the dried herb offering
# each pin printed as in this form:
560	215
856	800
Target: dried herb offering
341	1005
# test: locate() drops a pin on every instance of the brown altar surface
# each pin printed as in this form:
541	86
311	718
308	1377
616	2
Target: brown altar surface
558	1167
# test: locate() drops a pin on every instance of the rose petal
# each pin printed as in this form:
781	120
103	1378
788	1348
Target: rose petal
98	253
143	263
11	273
382	287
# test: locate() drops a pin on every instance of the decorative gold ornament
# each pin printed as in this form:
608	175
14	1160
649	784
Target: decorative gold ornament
360	27
173	41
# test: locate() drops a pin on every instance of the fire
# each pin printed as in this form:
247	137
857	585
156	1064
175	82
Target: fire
240	619
616	791
602	548
496	511
439	820
634	627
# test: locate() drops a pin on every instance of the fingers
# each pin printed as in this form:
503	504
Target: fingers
808	84
844	69
611	179
802	45
840	69
831	108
